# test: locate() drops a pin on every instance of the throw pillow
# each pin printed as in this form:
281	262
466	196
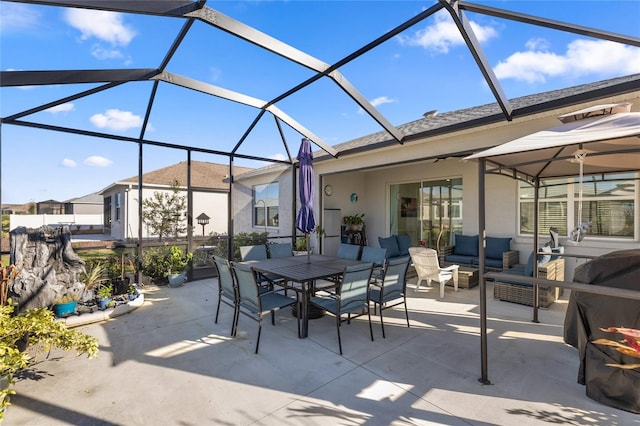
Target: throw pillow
559	250
466	245
404	242
497	246
545	258
391	244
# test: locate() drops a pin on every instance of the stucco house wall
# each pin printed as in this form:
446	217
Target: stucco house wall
369	171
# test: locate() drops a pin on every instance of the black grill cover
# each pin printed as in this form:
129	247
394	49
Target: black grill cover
587	313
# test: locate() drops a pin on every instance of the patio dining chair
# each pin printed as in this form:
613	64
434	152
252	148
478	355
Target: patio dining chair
425	260
391	290
256	252
348	251
376	255
280	250
351	295
253	303
227	290
259	252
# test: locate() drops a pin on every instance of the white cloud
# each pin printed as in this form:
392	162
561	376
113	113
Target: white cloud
103	25
376	102
382	100
67	162
215	73
114	119
66	107
101	53
18	17
581	57
97	161
279	156
444	34
537	44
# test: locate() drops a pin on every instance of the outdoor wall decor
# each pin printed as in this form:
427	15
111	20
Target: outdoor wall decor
354	198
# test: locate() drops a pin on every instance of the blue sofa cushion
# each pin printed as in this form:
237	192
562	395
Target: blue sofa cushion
491	263
528	270
404	242
391	244
466	245
496	246
467	260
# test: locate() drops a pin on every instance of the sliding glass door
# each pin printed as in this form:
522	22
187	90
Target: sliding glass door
429	211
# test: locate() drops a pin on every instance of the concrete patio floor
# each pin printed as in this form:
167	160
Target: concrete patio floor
167	363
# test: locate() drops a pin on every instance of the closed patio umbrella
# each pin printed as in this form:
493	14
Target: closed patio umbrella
306	221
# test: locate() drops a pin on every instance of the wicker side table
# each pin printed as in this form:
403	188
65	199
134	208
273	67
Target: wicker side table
467	277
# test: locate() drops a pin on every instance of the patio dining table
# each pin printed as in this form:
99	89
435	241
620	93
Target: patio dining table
305	269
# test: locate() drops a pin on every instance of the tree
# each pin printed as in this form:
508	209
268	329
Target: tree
163	213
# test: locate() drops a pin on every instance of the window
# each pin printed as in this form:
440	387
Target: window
118	199
266	204
608	203
430	210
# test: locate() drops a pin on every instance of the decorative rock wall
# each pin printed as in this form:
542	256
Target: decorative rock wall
49	268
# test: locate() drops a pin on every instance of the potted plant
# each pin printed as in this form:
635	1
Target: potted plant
103	296
116	268
132	292
356	221
64	305
178	265
94	275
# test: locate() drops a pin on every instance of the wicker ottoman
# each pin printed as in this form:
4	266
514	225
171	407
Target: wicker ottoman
523	293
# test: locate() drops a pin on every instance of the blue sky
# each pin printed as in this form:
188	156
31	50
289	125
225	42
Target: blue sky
427	67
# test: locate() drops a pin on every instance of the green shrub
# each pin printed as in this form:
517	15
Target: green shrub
30	328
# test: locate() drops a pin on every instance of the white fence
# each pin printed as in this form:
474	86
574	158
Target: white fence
75	221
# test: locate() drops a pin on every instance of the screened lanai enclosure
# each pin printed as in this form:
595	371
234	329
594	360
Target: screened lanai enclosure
176	97
166	80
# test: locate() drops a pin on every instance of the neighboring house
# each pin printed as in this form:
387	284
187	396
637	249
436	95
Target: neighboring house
87	204
379	177
210	189
50	207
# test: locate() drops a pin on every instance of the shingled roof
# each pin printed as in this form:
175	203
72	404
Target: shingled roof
203	175
469	118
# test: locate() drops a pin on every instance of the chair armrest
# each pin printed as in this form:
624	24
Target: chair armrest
445	251
450	268
509	258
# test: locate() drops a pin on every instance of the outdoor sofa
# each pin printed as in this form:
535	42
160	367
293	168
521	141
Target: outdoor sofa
549	268
498	253
396	245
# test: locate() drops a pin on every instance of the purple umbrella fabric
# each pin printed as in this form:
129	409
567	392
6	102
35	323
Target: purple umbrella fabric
306	221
